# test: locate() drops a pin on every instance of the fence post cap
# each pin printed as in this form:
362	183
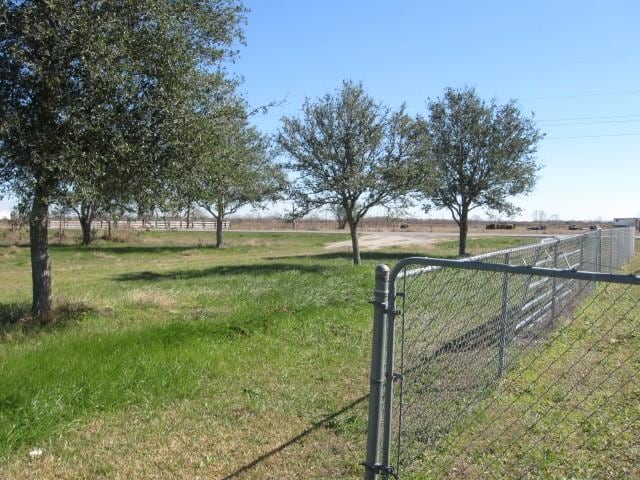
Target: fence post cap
382	269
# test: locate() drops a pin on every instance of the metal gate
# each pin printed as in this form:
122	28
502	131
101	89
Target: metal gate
478	358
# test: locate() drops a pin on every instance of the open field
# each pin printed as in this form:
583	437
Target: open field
169	359
418	226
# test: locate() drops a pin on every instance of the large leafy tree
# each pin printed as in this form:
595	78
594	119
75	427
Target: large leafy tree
235	168
351	152
101	93
97	192
482	154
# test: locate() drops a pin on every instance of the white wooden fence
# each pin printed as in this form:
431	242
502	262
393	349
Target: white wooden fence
155	224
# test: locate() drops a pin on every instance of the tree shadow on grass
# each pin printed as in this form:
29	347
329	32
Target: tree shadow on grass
130	249
11	313
324	422
249	269
16	318
122	249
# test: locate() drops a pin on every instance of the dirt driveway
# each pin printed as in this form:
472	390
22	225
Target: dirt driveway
376	240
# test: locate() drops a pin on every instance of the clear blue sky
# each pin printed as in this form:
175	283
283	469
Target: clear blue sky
573	60
560	59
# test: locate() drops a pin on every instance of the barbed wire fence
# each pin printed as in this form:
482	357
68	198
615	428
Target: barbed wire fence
521	363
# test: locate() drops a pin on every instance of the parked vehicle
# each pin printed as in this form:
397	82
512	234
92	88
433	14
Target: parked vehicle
501	226
627	222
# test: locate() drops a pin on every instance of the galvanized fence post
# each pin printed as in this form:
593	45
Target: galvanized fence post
611	247
599	252
617	238
554	283
503	317
390	377
380	299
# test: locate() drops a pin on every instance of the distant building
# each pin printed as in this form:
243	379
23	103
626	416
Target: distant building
627	222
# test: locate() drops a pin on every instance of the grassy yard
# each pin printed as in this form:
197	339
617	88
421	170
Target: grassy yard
170	359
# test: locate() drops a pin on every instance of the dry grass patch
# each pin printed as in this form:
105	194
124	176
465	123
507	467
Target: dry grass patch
151	297
191	440
9	251
99	254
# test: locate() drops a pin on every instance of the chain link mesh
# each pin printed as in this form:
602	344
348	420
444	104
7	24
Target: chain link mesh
503	375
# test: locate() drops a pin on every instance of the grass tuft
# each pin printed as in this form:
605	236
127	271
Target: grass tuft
16	320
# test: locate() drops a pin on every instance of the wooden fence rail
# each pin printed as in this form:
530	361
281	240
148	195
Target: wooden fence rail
160	224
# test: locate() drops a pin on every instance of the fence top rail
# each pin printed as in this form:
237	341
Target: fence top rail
496	253
521	248
546	242
437	263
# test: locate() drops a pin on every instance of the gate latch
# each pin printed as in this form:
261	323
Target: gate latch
385	307
376	303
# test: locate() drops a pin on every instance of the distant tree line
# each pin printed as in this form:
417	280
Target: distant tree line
108	108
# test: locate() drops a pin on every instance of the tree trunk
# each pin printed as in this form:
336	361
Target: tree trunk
464	228
219	222
40	260
60	230
353	228
85	224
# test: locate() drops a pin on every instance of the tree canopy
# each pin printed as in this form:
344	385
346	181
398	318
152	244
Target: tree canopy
482	154
347	150
235	167
96	94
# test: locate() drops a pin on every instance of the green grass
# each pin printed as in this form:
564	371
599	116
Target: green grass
228	353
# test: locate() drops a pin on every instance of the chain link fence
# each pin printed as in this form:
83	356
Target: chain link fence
521	363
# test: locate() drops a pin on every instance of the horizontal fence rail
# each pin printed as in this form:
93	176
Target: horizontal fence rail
484	361
198	225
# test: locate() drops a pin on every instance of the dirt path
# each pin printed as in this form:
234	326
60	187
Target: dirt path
377	240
